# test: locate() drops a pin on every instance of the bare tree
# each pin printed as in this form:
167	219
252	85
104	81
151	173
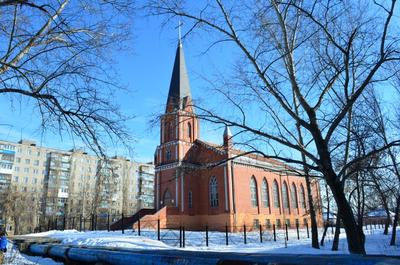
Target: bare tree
58	55
22	208
323	53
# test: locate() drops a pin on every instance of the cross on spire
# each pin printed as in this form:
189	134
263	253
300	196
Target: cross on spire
179	33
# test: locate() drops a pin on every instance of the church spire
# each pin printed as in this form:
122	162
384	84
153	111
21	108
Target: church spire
179	95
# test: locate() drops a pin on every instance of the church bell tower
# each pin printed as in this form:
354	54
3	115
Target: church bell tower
179	128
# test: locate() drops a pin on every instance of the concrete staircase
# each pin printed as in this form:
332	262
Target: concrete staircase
128	222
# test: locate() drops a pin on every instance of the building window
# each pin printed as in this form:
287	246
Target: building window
169	126
253	192
190	197
278	223
189	130
302	197
293	196
213	187
18	160
168	154
167	198
36	163
268	223
275	188
256	223
285	195
265	193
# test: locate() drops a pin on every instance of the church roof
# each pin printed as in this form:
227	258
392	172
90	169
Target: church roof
241	156
179	94
227	132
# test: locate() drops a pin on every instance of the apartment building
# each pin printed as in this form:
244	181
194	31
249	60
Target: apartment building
38	184
145	187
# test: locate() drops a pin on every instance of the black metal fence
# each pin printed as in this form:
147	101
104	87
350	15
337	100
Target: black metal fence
183	236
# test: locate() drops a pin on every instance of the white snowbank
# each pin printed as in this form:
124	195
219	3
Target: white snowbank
14	257
376	242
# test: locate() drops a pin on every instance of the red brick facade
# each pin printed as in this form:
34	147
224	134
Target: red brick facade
199	184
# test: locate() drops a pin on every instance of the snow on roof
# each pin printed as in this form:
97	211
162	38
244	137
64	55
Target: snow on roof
379	213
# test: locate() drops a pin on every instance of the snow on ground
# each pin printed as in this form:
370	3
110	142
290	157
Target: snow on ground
14	257
376	242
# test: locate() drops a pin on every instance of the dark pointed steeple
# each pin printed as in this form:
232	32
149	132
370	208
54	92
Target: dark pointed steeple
179	95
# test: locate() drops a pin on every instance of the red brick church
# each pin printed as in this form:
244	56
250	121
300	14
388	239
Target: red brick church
237	190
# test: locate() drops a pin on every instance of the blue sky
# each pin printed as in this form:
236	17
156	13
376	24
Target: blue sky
145	69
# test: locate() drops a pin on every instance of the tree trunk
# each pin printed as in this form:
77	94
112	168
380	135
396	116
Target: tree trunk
355	235
324	234
335	244
387	223
395	221
313	218
314	225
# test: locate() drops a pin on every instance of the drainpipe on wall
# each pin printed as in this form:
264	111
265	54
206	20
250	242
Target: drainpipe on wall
233	194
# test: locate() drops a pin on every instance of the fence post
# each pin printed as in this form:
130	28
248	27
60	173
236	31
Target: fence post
158	230
297	227
122	224
108	222
95	222
183	236
261	239
370	225
139	226
287	234
180	236
91	219
273	227
374	224
64	222
308	232
80	223
244	234
48	225
226	234
206	235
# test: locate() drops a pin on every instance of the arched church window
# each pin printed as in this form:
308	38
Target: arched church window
293	196
167	198
253	192
275	190
189	130
302	197
285	195
170	131
190	199
168	154
265	193
213	189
